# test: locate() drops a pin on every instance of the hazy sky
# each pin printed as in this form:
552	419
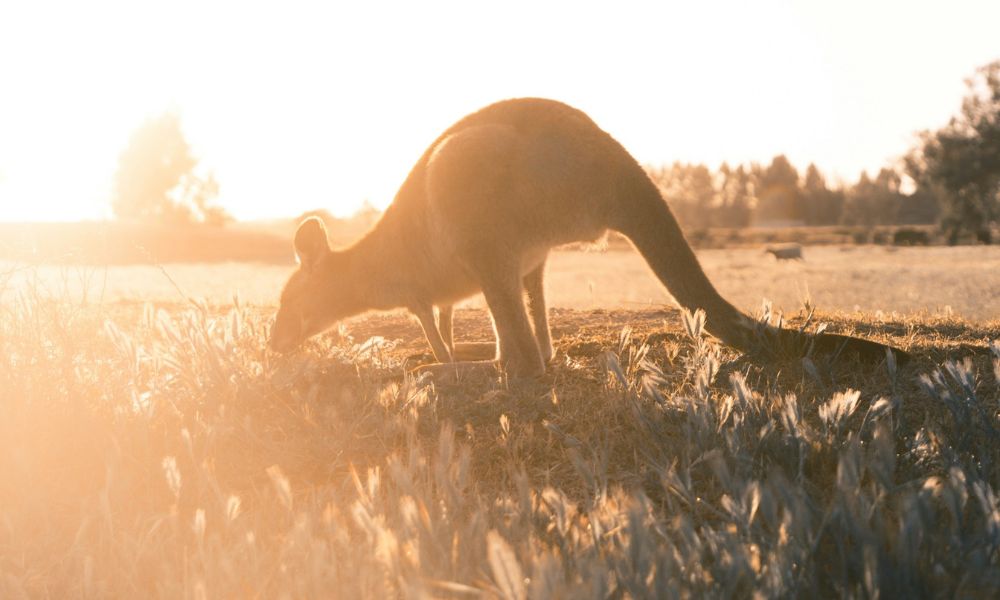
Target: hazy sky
298	105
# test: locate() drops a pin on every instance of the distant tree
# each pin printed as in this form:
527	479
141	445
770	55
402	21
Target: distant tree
921	207
156	178
778	193
736	197
365	216
702	195
963	159
820	204
856	204
874	201
690	191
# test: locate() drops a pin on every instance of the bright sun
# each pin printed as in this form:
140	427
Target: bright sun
328	106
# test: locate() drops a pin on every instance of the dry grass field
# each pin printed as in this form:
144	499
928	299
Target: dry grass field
157	449
961	280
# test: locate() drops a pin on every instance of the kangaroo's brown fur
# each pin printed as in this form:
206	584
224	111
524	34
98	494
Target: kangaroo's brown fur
480	211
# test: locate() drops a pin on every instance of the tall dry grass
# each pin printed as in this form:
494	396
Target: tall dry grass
146	452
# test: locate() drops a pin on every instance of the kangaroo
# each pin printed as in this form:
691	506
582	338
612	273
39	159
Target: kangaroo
480	211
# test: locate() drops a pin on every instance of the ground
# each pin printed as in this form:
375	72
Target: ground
963	281
157	448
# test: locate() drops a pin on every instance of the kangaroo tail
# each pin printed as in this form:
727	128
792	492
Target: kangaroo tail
644	217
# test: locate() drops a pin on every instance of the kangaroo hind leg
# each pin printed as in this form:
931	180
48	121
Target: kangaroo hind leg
534	286
518	349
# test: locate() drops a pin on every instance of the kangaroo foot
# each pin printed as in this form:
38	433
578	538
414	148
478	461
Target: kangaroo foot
474	351
455	372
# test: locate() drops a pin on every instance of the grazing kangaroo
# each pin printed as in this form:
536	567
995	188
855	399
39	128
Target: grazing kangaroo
480	211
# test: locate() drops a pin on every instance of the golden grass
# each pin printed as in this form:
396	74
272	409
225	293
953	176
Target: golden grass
962	280
165	452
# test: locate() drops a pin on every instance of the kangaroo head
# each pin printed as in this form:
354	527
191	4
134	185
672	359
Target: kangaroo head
311	301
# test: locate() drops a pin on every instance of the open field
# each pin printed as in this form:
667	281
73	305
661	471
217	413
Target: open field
163	452
127	243
963	280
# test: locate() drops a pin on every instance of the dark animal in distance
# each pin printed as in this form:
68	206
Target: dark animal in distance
910	237
786	252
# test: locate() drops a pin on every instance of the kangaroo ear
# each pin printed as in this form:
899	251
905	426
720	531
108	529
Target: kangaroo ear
310	242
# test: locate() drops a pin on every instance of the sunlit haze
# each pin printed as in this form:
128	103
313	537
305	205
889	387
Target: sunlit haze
296	106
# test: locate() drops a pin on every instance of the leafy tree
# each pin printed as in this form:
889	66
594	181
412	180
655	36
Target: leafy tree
778	193
701	192
156	178
690	191
963	159
921	207
820	204
874	201
736	197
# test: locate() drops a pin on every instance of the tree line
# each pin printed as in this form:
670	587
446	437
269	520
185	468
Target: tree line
777	195
954	171
955	175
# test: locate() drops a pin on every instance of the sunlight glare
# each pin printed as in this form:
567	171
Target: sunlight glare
330	105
